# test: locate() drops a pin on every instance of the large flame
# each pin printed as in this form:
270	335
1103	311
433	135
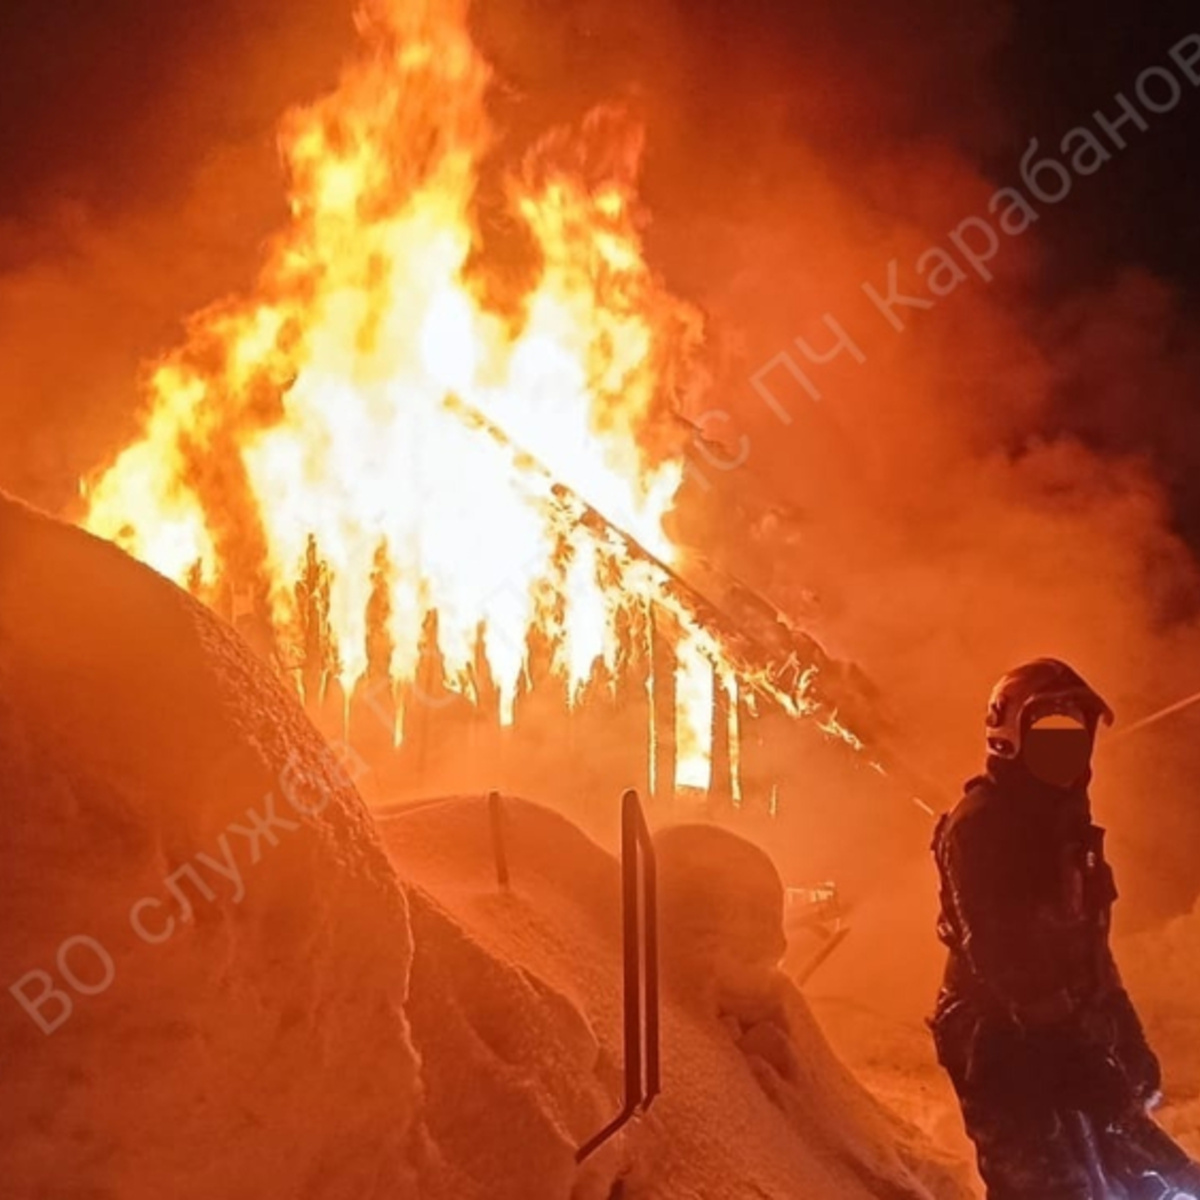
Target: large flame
389	404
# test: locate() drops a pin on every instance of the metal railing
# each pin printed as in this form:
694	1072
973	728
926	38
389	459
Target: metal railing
639	920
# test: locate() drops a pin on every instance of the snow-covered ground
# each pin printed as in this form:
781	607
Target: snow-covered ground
224	977
219	983
529	1009
873	997
209	950
872	1000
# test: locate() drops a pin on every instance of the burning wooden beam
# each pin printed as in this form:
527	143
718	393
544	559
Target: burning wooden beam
662	706
720	787
790	672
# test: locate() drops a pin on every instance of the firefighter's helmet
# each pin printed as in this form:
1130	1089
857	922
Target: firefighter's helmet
1042	688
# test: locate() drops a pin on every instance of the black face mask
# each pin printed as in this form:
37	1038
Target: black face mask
1059	757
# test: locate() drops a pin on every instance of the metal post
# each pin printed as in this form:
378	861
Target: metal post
499	847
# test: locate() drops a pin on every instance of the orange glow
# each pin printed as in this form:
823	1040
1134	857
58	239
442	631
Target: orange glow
340	397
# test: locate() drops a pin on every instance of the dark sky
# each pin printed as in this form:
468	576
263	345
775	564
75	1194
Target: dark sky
1067	59
82	83
95	105
108	109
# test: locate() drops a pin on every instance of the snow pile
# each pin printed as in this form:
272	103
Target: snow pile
873	999
754	1102
259	1048
216	983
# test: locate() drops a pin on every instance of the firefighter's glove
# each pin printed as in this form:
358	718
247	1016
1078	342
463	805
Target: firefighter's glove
1114	1029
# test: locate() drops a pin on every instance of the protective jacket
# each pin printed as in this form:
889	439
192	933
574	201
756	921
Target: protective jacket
1033	1012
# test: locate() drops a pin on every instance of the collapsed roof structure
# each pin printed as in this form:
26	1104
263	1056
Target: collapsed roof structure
439	500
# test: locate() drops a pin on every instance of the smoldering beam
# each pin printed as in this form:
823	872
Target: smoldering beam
753	663
799	688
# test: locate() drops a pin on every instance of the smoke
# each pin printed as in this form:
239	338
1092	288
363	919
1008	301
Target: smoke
144	179
1006	477
995	482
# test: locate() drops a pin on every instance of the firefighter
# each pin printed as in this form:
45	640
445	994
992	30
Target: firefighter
1047	1055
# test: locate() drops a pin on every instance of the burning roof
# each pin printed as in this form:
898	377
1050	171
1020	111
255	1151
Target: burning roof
370	453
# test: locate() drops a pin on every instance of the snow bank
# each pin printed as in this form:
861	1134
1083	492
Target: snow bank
261	1049
224	988
754	1102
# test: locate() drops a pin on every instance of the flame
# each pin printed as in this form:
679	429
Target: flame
693	717
340	413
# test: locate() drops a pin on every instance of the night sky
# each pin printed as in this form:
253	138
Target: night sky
108	109
1067	59
80	83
